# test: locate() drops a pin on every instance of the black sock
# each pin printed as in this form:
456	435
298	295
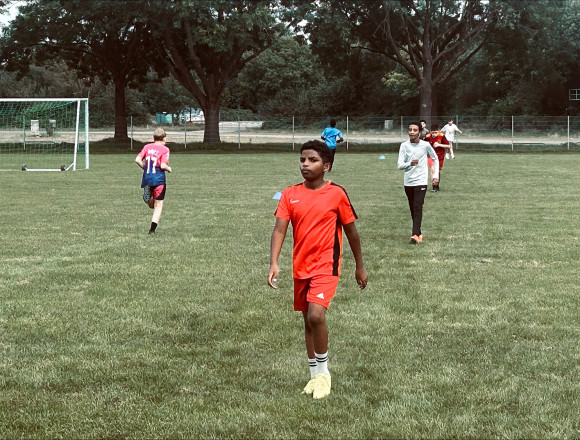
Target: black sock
153	227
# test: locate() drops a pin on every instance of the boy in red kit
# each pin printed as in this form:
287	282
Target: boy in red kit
441	145
318	210
154	160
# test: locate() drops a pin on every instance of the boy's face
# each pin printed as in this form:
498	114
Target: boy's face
312	166
414	133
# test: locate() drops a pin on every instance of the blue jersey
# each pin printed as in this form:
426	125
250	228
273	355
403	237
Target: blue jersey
154	155
330	135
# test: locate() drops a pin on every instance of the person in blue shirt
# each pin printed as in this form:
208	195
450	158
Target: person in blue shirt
331	136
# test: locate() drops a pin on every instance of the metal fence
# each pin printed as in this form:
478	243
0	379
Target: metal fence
481	133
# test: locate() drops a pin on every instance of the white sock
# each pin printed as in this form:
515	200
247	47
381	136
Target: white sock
322	363
312	364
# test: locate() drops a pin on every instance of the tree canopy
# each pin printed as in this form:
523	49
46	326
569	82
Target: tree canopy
283	57
105	40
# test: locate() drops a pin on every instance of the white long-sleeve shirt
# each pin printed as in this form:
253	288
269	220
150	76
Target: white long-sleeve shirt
419	174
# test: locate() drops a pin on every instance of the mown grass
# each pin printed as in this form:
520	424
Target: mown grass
107	332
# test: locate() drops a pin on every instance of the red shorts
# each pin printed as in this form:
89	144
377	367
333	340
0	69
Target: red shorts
319	289
158	192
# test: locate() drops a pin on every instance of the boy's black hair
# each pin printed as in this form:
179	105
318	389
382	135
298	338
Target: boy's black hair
333	122
423	120
415	123
320	147
434	127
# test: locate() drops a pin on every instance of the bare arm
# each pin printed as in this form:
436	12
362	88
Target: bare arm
165	167
354	242
278	236
139	161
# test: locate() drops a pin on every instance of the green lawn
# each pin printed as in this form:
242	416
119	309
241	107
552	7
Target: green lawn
106	332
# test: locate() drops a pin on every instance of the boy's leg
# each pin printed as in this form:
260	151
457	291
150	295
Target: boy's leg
333	153
317	320
313	298
309	340
418	200
157	197
147	194
411	195
157	208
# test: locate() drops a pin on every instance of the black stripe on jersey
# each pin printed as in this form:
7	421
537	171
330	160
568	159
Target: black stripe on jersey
351	207
336	251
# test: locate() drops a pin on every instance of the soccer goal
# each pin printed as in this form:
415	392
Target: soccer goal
44	134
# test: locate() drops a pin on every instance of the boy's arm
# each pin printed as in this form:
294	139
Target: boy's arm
353	238
433	155
139	161
276	242
401	164
165	167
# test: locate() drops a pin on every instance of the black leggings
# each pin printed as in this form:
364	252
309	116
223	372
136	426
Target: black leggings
416	197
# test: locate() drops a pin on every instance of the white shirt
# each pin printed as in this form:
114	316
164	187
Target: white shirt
417	175
449	131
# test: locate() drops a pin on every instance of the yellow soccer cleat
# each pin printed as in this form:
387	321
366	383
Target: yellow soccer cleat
321	386
309	388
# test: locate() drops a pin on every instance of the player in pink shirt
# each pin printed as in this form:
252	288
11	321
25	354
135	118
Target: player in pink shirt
154	160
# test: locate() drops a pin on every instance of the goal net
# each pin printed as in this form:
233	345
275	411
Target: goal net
44	134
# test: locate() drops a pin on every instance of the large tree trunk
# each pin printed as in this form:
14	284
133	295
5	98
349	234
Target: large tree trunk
426	85
211	133
120	111
434	103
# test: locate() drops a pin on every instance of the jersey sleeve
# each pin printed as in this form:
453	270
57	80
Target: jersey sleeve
142	152
346	212
282	209
164	157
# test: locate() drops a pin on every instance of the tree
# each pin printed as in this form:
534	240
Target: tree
287	65
430	39
356	76
206	43
108	40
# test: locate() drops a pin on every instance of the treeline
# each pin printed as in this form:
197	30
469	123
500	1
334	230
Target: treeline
296	57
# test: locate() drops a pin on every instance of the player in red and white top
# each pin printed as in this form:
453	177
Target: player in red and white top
441	146
319	210
154	160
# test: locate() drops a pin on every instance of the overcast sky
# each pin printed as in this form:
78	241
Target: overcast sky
10	13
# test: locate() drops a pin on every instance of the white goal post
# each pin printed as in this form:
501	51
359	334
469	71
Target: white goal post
44	134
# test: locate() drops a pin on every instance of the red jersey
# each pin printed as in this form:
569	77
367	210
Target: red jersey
440	139
317	217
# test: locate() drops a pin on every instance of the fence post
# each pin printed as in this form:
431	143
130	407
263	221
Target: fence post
512	132
292	132
239	135
401	129
456	146
347	133
568	132
131	132
184	133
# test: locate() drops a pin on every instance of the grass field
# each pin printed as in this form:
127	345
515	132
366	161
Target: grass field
107	332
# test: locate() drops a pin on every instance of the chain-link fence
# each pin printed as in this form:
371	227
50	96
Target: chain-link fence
374	132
